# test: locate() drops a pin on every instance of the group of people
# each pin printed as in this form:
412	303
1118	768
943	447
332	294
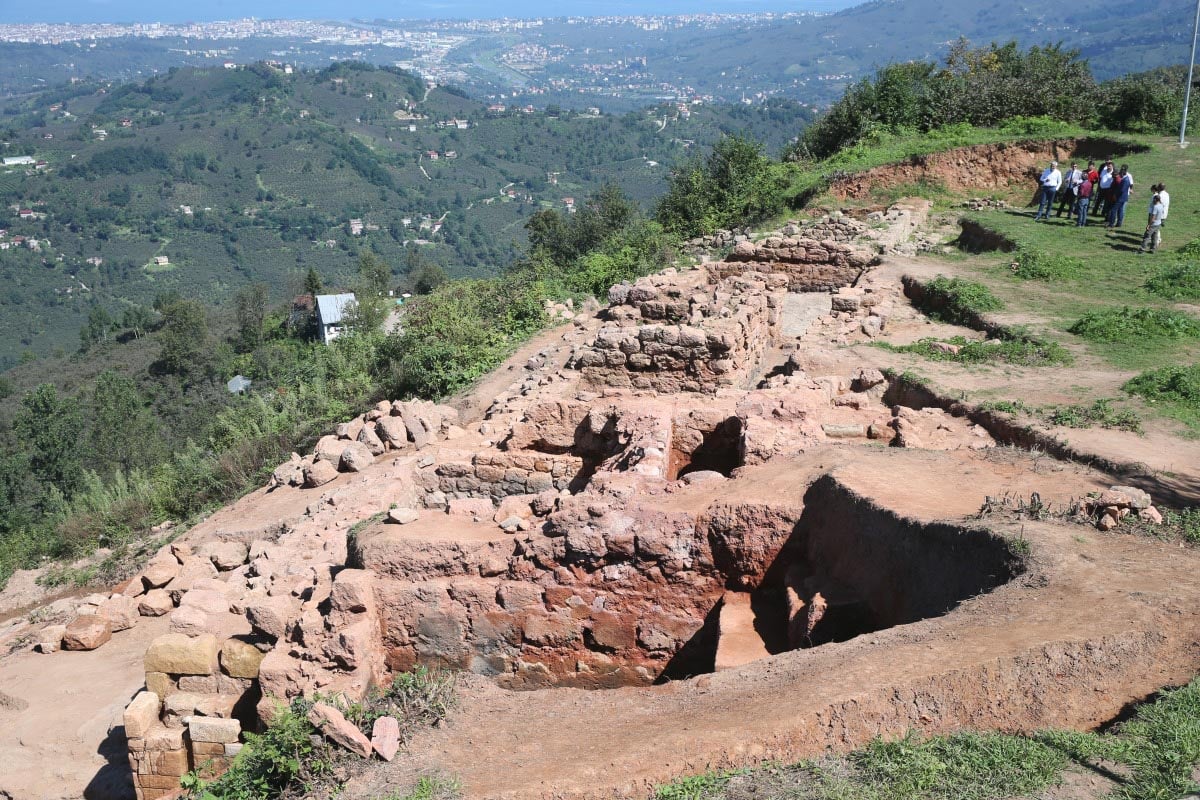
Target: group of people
1104	192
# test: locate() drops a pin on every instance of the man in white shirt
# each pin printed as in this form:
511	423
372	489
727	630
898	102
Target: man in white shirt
1048	185
1102	202
1165	199
1153	235
1069	190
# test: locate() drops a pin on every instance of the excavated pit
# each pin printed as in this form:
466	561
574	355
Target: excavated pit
603	597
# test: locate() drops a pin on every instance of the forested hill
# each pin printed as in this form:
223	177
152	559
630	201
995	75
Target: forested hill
817	58
254	174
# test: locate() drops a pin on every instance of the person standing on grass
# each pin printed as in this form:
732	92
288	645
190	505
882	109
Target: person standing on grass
1122	187
1069	190
1084	196
1166	202
1104	199
1048	185
1153	236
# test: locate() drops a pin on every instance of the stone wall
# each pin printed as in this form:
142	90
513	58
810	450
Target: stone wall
810	265
668	341
495	475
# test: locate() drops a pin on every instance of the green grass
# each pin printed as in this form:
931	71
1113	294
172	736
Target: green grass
1128	324
1023	352
430	788
1173	390
1041	265
1099	414
957	300
1154	754
1177	282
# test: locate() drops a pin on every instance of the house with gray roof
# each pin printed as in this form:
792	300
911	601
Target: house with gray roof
331	314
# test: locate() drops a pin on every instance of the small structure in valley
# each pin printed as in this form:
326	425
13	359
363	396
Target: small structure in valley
331	314
239	384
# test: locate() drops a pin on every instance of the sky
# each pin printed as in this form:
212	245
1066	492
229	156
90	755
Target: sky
78	11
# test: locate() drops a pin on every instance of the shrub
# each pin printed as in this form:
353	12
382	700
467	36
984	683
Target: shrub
1025	352
957	300
1178	282
1100	413
1041	266
1169	384
1131	324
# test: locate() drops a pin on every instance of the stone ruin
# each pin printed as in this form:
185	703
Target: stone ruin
592	530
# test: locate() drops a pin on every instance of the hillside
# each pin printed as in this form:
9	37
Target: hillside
251	174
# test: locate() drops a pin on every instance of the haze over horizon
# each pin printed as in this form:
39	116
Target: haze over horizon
147	11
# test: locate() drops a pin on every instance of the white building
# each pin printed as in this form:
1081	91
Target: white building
19	161
331	314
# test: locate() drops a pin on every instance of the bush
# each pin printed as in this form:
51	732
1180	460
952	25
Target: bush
957	301
1131	324
1041	266
1168	384
1179	282
1099	414
1025	352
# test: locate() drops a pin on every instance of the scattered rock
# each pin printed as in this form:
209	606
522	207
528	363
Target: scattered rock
402	516
385	737
87	632
155	603
240	659
189	621
333	724
177	654
319	473
356	457
49	638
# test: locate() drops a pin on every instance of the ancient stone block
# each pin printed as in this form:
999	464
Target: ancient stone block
333	724
141	714
240	659
385	737
155	603
213	729
177	654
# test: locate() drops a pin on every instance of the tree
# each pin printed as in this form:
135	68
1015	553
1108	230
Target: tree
429	276
736	185
184	338
48	429
96	329
123	431
251	309
375	275
312	282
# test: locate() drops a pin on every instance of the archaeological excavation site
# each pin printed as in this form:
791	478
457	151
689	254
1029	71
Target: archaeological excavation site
705	524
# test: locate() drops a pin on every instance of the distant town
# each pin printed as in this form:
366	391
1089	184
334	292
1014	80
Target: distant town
536	56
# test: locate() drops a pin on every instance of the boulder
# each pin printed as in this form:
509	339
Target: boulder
177	654
87	632
353	591
289	473
333	724
49	638
159	573
121	611
350	430
385	737
271	615
1133	497
367	436
155	603
329	448
189	621
356	457
392	431
319	473
226	555
208	601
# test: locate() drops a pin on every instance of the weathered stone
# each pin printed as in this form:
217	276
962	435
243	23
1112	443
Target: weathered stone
1151	514
393	432
271	615
209	601
356	457
189	621
385	737
213	729
177	654
160	683
353	591
240	659
370	439
227	555
402	516
121	611
49	638
155	603
319	473
1134	497
86	632
159	573
333	724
